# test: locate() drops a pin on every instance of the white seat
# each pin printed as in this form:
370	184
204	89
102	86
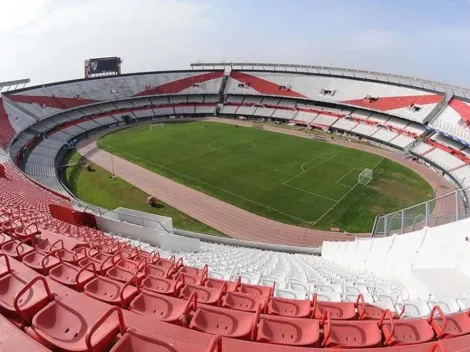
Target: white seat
290	294
414	308
328	296
329	288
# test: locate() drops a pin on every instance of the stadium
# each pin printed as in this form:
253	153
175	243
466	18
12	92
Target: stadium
320	208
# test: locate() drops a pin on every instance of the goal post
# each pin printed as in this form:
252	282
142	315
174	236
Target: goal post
156	125
365	177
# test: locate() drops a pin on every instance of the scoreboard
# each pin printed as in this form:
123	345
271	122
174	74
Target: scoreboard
104	66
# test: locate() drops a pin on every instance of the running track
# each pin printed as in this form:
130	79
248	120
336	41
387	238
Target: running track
229	219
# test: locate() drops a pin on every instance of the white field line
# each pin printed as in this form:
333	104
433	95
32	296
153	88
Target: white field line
312	193
304	171
213	150
334	205
212	186
346	174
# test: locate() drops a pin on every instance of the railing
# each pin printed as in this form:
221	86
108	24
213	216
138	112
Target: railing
448	208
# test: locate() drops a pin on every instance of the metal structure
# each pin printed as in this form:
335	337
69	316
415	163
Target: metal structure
439	211
13	85
365	177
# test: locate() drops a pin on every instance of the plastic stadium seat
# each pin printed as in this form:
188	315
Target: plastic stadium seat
41	262
289	331
337	310
290	293
230	286
191	279
135	341
205	295
367	311
159	271
409	331
164	308
122	274
16	249
167	262
101	261
126	263
11	284
162	286
328	296
256	290
5	238
244	301
72	276
225	322
456	324
414	308
350	334
111	291
193	271
290	307
71	256
65	324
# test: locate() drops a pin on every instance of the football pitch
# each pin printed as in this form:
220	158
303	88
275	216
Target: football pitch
294	180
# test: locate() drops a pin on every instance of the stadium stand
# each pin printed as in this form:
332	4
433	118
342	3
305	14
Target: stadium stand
66	286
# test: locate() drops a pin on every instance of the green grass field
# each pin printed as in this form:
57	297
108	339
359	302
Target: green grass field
289	179
99	189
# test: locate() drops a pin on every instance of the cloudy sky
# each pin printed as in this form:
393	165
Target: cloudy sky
48	40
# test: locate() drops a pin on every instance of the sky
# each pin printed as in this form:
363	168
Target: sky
48	40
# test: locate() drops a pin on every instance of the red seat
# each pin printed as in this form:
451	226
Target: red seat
23	231
72	276
337	310
16	249
230	286
409	331
66	324
295	308
101	261
456	324
256	290
367	311
191	279
111	291
40	261
135	341
159	271
225	322
126	263
289	331
244	301
71	256
205	295
193	271
149	257
11	284
167	262
5	238
162	286
350	334
164	308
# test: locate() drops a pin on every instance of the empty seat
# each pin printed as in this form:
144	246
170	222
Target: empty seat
244	301
230	286
12	338
205	295
225	322
111	291
164	308
369	311
337	310
72	276
16	249
122	274
159	271
289	331
101	261
40	261
451	325
350	334
162	286
13	299
66	325
256	290
71	256
290	307
406	331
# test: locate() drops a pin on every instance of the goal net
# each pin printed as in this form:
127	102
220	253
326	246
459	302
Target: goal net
258	125
365	177
156	125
